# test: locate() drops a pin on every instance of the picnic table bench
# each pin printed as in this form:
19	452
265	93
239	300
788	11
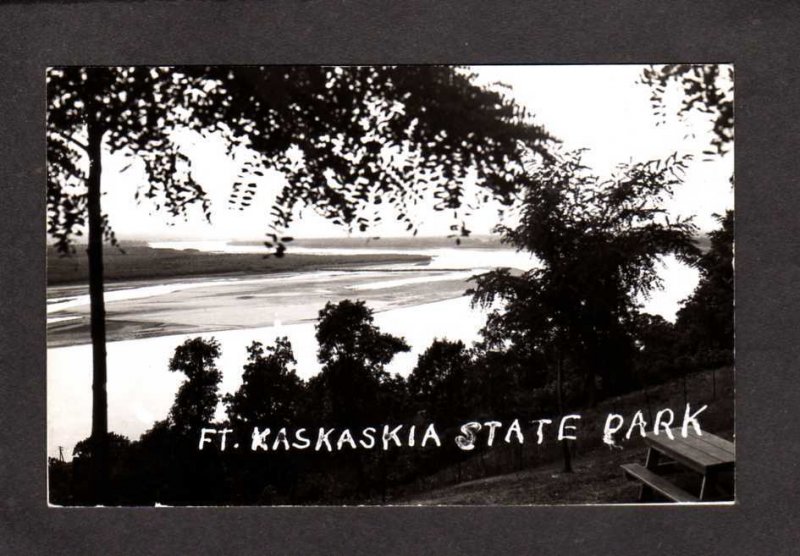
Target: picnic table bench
706	454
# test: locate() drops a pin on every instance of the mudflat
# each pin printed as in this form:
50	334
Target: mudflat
140	262
186	292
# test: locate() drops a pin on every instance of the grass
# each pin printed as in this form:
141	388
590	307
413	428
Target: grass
597	478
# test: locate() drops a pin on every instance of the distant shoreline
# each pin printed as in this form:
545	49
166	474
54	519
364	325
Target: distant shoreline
146	264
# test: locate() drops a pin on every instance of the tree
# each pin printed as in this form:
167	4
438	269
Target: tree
81	467
340	135
271	396
655	340
198	396
344	138
598	242
271	391
354	354
438	382
705	320
706	88
353	389
122	109
165	465
83	449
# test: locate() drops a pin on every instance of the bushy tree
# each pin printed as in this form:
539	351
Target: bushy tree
439	382
704	327
354	354
705	320
168	466
76	480
271	392
598	242
346	330
655	340
198	396
84	448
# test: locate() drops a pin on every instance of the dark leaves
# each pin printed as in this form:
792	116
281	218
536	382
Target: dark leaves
344	138
707	89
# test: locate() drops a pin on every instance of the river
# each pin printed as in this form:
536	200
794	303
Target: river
147	321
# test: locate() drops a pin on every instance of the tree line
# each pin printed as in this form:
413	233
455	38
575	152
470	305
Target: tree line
571	327
505	375
341	136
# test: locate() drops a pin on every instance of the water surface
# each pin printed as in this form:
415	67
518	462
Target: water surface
419	302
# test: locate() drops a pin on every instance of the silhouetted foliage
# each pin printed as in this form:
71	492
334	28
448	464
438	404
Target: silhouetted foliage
705	321
167	466
345	138
197	398
271	392
706	88
84	448
271	397
438	383
598	242
79	473
449	384
656	342
354	353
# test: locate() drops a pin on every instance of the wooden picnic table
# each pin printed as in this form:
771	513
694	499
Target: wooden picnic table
706	454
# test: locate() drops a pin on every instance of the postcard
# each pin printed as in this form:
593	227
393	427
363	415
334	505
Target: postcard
390	285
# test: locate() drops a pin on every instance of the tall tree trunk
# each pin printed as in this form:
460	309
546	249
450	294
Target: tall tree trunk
98	314
560	395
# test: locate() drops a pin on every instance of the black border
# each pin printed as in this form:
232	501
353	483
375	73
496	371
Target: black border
760	38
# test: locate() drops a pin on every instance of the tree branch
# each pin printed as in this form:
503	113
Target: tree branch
70	139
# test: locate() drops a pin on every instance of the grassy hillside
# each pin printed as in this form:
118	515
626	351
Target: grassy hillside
534	476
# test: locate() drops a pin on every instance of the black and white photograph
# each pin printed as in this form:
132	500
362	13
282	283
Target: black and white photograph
400	285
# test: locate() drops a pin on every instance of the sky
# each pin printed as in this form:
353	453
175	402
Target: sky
601	108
